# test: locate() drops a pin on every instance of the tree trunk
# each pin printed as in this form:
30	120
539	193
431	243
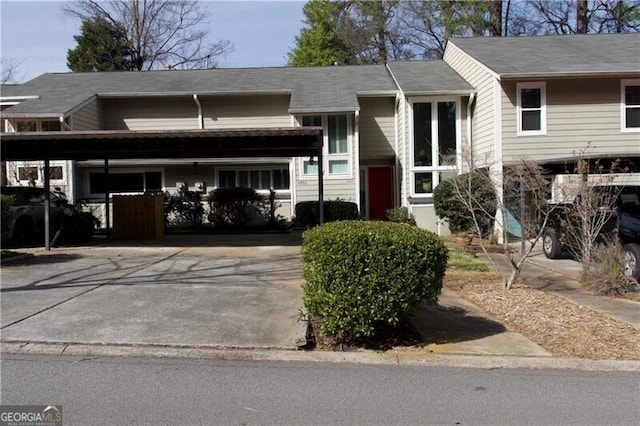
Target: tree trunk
496	18
581	17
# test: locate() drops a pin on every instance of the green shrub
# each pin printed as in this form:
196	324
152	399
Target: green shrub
400	215
307	212
5	204
362	273
184	207
451	197
238	207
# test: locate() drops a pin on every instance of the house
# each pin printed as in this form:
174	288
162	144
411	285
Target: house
390	133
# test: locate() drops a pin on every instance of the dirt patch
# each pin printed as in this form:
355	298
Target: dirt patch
561	327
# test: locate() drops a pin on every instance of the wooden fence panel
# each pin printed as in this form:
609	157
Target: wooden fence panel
138	216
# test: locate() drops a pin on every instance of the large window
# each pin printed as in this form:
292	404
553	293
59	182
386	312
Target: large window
631	105
33	125
277	179
34	173
126	182
531	109
337	158
436	143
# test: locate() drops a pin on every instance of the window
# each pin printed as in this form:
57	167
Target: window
337	160
531	109
436	143
35	173
34	125
277	179
631	105
131	182
28	173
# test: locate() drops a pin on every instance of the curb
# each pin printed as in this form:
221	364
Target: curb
392	357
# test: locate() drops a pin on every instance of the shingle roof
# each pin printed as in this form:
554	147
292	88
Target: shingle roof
560	55
316	89
428	78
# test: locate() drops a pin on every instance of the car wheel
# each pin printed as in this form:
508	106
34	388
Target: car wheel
551	245
631	267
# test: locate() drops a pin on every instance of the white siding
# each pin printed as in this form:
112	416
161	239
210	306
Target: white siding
579	112
483	81
87	117
377	131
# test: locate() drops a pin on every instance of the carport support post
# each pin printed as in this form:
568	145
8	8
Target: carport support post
107	216
47	205
320	189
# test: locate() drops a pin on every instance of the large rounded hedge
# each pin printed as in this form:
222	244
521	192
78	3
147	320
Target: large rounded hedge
451	201
362	273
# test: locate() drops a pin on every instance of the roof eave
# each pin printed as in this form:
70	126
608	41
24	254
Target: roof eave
514	76
457	92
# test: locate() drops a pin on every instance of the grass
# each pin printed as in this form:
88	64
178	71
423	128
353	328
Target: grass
460	259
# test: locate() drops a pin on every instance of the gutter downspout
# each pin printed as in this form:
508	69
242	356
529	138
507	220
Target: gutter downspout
200	117
71	171
472	99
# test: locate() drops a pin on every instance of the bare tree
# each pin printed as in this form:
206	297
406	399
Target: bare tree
9	68
162	33
521	183
496	18
581	17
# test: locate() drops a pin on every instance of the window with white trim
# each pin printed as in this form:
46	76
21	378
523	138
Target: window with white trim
123	182
33	173
260	179
33	125
631	105
436	143
337	141
532	108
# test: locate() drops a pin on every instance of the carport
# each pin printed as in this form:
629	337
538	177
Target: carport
107	145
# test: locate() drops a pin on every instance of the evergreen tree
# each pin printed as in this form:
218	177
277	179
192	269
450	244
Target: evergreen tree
102	46
319	43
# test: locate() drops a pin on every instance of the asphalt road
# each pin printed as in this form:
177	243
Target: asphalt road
173	391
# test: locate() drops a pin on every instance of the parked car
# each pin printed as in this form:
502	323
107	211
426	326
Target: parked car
67	221
622	219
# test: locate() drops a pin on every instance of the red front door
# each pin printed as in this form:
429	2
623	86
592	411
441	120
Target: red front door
380	191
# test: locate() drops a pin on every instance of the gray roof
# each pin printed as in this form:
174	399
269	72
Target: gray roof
592	54
428	78
317	89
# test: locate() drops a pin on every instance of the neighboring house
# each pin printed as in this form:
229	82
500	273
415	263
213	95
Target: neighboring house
391	133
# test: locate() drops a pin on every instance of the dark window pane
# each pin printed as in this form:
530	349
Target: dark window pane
243	179
55	172
265	179
26	126
423	183
447	132
226	178
28	173
50	126
153	181
531	120
337	134
254	179
530	98
118	182
281	179
422	134
312	120
633	118
632	95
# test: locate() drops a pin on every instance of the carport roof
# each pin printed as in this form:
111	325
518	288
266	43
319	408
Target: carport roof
92	145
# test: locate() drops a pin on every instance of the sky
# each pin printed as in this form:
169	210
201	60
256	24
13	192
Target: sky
37	34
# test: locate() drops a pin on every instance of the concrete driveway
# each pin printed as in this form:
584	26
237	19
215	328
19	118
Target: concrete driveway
196	290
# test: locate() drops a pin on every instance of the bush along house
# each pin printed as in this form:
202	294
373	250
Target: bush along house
389	133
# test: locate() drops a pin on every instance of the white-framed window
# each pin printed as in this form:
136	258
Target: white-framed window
27	173
630	94
436	143
125	182
532	108
258	179
337	145
32	125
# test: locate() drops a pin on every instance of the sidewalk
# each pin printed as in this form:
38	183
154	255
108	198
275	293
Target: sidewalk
559	276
